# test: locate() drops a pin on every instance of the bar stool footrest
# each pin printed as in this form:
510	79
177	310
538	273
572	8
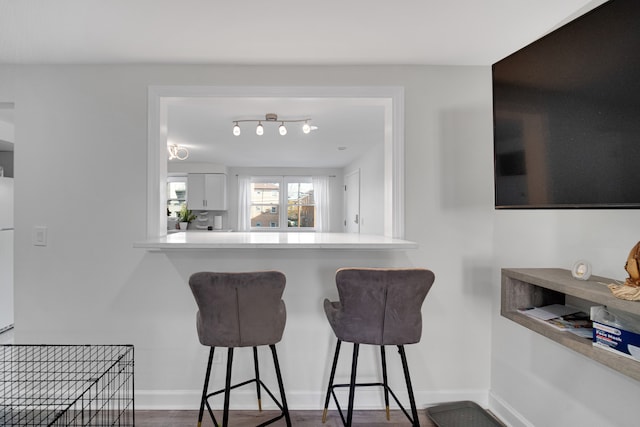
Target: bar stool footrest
335	398
252	381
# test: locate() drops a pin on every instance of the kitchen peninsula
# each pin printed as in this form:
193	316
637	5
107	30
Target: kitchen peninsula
273	240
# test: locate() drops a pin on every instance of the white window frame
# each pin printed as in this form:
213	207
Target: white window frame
293	179
177	178
282	209
269	225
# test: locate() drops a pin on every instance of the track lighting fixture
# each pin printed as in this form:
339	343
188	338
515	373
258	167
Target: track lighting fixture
273	118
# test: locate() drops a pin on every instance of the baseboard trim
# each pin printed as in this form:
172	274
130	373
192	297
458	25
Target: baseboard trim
506	412
246	399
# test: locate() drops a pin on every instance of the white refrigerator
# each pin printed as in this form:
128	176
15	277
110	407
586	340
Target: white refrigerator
6	253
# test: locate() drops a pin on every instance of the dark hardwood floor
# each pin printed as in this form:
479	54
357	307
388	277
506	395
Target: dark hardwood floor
298	419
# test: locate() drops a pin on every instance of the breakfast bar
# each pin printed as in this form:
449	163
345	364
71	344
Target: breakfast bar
273	240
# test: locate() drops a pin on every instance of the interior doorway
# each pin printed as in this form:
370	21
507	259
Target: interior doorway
352	202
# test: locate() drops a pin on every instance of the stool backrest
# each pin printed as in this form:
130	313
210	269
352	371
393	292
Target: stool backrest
239	309
382	306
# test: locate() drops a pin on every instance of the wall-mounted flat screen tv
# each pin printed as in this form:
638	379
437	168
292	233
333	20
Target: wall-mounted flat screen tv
566	112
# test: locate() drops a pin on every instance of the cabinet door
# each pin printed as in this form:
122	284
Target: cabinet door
196	199
216	191
207	191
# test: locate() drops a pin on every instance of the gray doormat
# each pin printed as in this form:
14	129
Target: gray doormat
462	414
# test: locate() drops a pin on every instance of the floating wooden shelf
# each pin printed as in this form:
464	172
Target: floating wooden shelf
535	287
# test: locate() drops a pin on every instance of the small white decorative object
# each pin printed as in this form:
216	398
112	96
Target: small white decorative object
581	270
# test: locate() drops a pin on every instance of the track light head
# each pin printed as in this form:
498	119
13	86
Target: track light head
282	129
259	129
236	129
306	128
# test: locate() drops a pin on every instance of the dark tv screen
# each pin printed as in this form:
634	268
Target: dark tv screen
566	112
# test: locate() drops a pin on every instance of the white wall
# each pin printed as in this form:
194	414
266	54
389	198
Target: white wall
546	383
82	166
82	163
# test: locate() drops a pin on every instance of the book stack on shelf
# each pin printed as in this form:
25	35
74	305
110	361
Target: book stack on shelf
562	318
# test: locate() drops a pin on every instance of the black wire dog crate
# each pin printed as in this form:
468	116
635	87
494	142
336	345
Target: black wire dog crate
66	385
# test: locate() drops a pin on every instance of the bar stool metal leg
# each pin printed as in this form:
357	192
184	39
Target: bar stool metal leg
333	373
255	364
285	407
383	356
206	386
352	384
227	388
412	400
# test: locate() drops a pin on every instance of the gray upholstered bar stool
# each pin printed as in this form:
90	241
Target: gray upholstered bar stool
381	307
240	310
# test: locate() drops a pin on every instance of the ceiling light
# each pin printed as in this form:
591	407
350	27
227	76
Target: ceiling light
273	118
179	152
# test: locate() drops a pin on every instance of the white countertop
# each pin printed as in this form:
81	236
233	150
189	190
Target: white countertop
273	240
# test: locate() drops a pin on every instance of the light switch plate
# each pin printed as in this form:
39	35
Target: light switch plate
39	236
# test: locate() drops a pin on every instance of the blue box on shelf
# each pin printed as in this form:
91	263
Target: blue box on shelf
618	340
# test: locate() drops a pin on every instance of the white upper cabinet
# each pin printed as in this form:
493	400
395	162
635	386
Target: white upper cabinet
207	191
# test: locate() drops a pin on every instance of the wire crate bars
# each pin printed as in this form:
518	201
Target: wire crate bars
66	385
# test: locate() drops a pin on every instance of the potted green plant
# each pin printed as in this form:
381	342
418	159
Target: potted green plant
185	216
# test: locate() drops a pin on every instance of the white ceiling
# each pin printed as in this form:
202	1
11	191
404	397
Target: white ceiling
435	32
347	128
451	32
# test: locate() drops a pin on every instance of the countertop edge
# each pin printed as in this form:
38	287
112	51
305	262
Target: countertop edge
334	241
